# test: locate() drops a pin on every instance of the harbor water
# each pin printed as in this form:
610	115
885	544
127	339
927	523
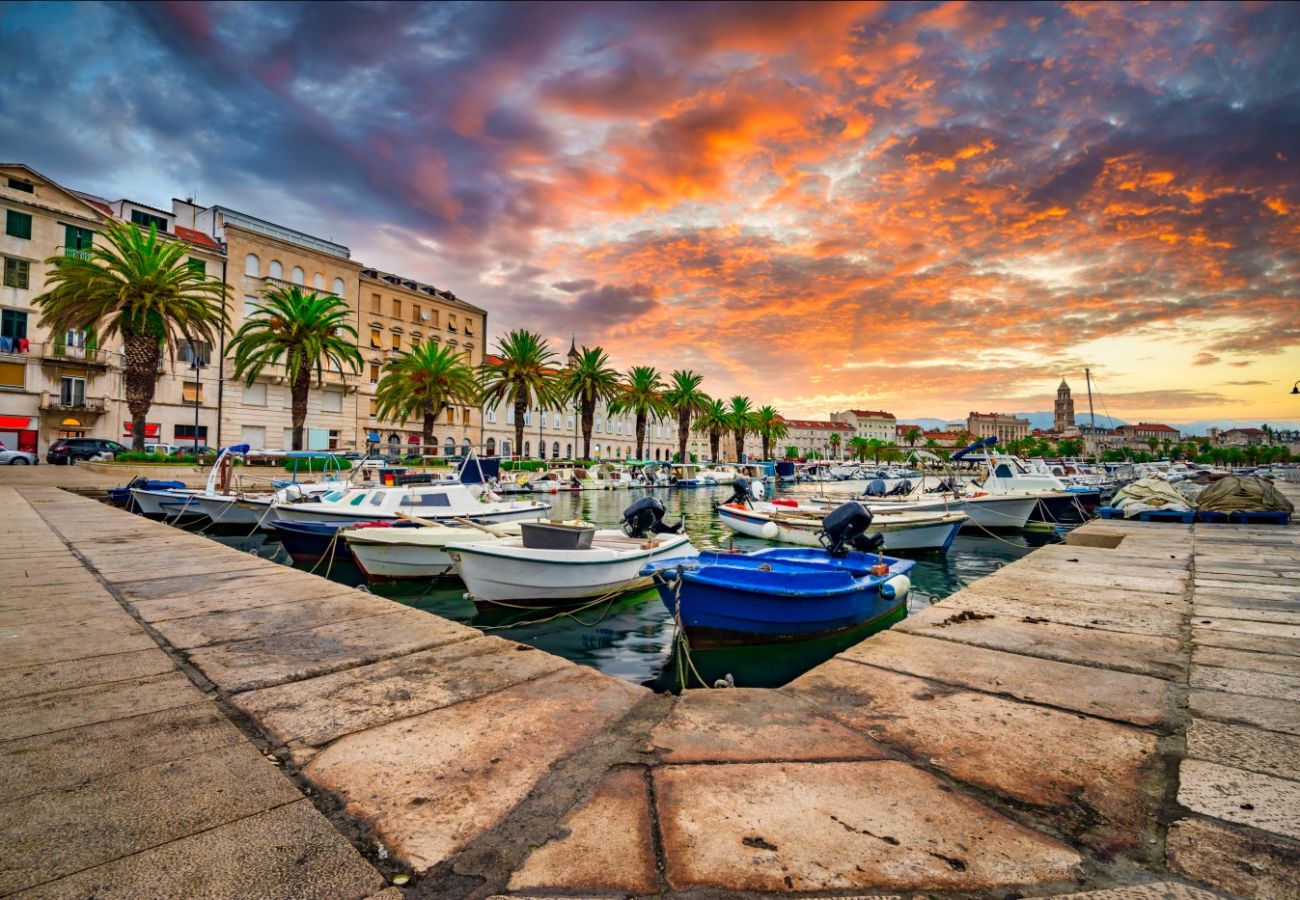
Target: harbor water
632	637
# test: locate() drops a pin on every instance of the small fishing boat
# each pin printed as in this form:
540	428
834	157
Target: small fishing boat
312	542
121	497
719	474
782	595
562	479
687	475
440	502
560	565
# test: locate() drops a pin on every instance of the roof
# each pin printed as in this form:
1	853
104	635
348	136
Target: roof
1151	426
871	413
818	424
197	237
401	281
1243	431
492	359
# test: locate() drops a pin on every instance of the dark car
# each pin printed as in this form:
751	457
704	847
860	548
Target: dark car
66	451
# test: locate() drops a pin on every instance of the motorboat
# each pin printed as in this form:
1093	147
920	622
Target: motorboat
436	502
995	512
608	476
561	565
562	479
1004	475
784	594
687	475
718	474
121	497
315	542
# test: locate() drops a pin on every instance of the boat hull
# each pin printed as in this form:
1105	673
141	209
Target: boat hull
315	512
150	503
494	577
1068	508
410	557
937	535
233	511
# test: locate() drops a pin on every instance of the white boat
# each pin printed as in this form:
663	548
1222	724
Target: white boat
165	503
437	502
562	479
612	477
506	572
986	511
902	530
718	474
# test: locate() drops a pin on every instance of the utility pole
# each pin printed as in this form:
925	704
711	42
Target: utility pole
1087	375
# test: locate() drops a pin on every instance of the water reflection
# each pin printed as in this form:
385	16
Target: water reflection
632	638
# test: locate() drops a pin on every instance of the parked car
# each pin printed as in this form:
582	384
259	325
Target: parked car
17	457
66	451
188	450
164	449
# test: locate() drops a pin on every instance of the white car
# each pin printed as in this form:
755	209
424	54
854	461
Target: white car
17	457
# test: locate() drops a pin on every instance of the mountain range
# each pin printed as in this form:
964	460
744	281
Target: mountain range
1045	420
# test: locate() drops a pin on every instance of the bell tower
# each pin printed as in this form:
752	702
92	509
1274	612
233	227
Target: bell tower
1064	413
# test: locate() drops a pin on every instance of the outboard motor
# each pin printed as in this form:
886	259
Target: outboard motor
875	489
902	489
741	493
845	528
645	518
945	486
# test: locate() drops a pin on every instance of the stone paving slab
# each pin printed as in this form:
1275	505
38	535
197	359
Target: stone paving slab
43	679
36	643
607	844
1239	862
1250	614
1136	699
1160	890
430	784
282	658
1269	752
77	756
1057	604
1244	660
26	716
1262	712
723	726
1239	681
256	588
182	586
1233	640
290	851
263	621
1236	795
1087	775
841	825
315	711
1160	657
133	811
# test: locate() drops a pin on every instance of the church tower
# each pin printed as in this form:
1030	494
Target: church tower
1064	417
573	355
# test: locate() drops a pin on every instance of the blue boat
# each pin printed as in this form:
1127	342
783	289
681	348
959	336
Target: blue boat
311	542
121	497
781	594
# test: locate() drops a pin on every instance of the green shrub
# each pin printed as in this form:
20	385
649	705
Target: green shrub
522	465
317	464
157	458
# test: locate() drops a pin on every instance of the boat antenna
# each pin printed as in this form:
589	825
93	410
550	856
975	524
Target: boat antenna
1087	374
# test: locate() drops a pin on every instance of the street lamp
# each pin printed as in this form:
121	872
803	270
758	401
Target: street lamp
196	364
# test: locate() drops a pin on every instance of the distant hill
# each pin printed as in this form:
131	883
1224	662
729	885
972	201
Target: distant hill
1045	420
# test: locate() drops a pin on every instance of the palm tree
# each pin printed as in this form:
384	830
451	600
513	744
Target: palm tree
523	376
642	396
875	445
587	382
741	421
685	399
300	331
770	427
143	289
713	420
912	435
835	440
859	447
424	381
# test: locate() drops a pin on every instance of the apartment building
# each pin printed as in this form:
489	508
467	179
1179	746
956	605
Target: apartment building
396	313
1003	427
69	384
869	424
814	435
1139	436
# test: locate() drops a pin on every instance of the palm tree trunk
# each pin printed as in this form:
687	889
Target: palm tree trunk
640	434
140	376
426	436
520	407
740	445
767	446
683	429
588	419
298	392
715	438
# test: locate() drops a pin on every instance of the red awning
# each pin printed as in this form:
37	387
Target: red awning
413	439
151	429
18	423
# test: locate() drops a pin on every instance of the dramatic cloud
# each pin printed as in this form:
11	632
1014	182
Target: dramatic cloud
932	207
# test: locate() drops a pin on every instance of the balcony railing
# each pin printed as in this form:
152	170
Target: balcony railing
76	254
53	352
88	406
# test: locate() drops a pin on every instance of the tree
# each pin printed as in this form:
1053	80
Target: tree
931	444
875	445
141	288
792	452
835	439
685	400
587	382
1153	443
770	427
912	435
642	395
424	381
302	332
859	447
523	377
741	421
713	420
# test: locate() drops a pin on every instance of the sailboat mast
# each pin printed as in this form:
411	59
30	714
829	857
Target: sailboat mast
1087	374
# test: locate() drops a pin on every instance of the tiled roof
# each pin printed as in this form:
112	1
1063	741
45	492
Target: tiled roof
871	413
1151	426
818	424
196	237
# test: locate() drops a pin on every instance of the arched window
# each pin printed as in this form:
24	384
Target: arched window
568	450
395	444
252	265
449	447
555	450
318	281
595	452
277	270
528	449
465	447
299	276
490	448
338	286
541	449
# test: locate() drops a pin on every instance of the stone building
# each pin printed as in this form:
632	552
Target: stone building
999	425
1063	418
869	423
70	384
814	435
1139	436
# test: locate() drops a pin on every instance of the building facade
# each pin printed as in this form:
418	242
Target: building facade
1140	436
1063	415
814	436
1003	427
869	424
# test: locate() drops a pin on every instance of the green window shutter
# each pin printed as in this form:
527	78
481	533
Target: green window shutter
17	272
18	224
92	342
197	266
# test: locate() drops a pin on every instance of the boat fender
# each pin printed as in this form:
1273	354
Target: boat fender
785	501
770	530
898	586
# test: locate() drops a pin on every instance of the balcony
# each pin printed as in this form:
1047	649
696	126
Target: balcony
87	407
76	254
66	354
269	281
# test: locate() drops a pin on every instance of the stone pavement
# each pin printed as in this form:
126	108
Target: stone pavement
1117	716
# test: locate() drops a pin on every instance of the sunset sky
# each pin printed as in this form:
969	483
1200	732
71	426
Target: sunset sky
927	208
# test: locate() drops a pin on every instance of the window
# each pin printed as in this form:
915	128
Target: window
298	276
510	415
451	322
464	413
375	302
13	375
197	266
432	318
252	265
427	501
318	281
17	272
192	392
598	424
374	373
374	407
148	220
72	391
253	435
397	308
18	224
339	287
13	324
397	341
331	401
555	449
528	448
186	433
570	421
415	312
18	184
376	340
188	351
334	438
255	395
276	270
492	415
250	306
449	447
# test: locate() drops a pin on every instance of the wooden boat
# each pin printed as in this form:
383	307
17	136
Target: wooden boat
780	595
922	530
312	542
419	554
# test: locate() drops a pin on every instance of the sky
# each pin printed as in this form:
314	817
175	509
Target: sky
928	208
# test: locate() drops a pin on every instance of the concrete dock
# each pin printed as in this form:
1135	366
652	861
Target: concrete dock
1118	717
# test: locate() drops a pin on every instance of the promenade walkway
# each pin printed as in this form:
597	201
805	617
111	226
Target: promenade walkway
1118	714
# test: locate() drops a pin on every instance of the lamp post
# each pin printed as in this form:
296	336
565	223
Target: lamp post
197	365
